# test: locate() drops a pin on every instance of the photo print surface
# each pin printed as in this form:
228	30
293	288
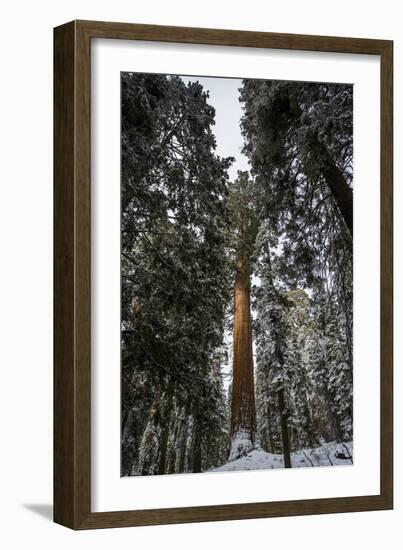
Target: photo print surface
236	274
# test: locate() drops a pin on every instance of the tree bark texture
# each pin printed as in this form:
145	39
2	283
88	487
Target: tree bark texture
342	193
181	447
165	434
196	447
272	447
243	412
284	429
149	445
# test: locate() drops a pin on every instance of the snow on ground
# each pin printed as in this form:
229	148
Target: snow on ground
329	454
241	446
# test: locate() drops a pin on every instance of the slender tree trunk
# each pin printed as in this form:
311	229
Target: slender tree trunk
189	447
196	446
149	445
181	449
174	446
243	412
332	419
309	429
284	429
171	460
272	448
163	445
338	433
278	335
129	440
342	193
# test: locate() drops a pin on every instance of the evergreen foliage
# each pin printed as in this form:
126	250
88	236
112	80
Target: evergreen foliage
267	257
293	132
175	272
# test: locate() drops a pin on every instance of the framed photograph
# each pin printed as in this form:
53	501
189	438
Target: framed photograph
222	275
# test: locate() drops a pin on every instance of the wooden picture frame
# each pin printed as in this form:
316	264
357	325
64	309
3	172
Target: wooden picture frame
72	297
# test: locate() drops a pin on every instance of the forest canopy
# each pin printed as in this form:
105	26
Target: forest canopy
254	272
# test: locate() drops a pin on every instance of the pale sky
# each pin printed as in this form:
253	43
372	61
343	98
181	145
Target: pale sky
224	95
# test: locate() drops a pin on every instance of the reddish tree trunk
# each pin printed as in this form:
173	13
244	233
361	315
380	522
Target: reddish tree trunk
243	412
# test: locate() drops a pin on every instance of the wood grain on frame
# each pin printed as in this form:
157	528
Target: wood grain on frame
72	296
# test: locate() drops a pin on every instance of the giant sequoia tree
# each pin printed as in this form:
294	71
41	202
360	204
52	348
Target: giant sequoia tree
243	412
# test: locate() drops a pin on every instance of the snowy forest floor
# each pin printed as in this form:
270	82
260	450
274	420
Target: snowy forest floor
327	455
